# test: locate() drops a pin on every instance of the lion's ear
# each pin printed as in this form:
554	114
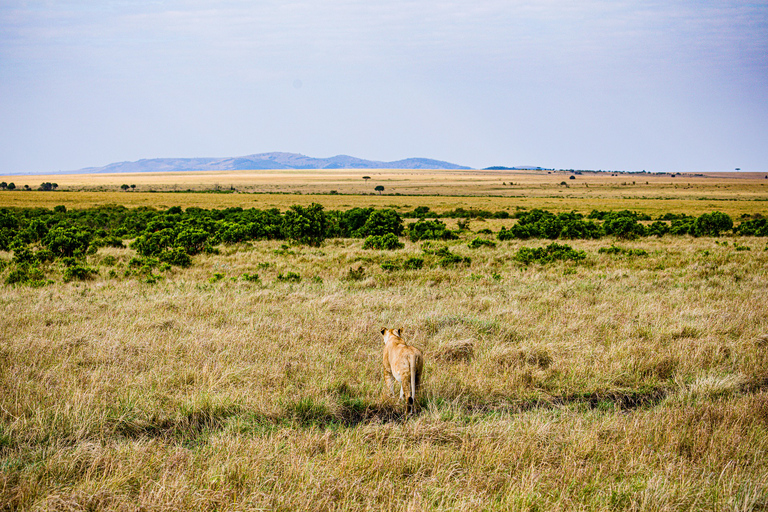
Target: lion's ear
398	331
383	330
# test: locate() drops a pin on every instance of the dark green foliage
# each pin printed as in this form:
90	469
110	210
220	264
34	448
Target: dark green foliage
289	277
108	241
543	224
79	272
753	227
26	275
67	241
176	256
420	212
387	242
622	251
606	215
658	228
305	225
381	222
712	224
193	241
48	186
480	242
430	230
681	227
413	263
389	266
253	278
623	226
474	213
348	223
548	254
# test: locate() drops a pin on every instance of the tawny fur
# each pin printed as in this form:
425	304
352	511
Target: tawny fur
403	363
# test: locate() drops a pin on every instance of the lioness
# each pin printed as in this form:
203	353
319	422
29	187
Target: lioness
403	362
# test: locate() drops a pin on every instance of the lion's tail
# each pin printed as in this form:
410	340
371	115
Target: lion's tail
412	361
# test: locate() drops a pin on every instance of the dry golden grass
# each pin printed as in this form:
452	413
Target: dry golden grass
618	383
732	193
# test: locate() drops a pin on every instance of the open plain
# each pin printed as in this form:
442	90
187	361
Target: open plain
630	379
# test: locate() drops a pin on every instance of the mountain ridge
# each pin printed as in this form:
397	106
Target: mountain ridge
264	161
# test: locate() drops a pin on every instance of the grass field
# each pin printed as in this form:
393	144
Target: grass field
732	193
623	381
618	382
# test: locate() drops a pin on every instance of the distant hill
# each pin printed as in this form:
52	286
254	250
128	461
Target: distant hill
518	168
266	161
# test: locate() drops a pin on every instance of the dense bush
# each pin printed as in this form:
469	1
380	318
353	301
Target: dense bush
380	223
67	241
623	226
753	227
430	230
79	272
306	225
712	224
548	254
387	242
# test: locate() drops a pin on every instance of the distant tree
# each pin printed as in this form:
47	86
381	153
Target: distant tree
133	187
366	178
48	186
379	189
27	187
3	185
124	186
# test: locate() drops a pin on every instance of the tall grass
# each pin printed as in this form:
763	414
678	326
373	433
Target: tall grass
618	382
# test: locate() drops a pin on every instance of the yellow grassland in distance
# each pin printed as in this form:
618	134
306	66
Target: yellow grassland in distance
733	193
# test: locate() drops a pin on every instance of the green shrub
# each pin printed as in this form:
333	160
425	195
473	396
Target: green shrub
658	228
623	227
413	263
480	242
548	254
430	230
79	272
753	227
306	225
380	223
384	242
289	277
67	241
217	276
253	278
712	224
389	266
29	275
176	256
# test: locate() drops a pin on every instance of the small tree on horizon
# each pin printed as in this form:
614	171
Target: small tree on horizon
124	186
379	189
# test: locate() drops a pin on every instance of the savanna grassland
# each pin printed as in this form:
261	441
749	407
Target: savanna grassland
632	375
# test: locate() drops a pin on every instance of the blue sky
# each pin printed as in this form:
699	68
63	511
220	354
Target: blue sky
621	85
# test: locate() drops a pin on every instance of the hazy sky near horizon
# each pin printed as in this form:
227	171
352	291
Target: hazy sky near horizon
619	85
